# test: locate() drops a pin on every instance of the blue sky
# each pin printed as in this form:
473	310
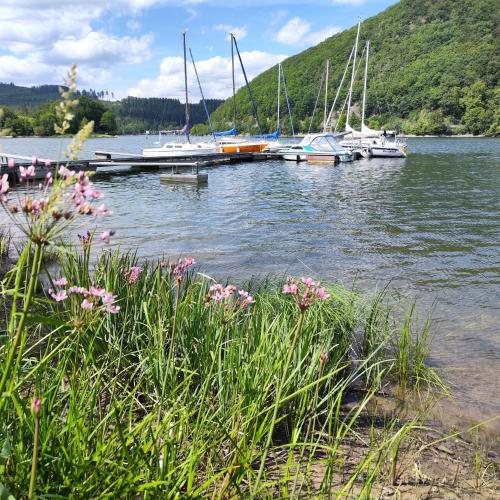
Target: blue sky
134	47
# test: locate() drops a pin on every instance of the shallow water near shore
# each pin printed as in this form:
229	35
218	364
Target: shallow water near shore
429	224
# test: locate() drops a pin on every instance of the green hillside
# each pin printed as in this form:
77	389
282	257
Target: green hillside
434	68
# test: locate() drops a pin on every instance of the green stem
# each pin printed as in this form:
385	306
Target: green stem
278	397
35	269
34	459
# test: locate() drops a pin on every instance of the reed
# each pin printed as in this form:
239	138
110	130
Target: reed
243	400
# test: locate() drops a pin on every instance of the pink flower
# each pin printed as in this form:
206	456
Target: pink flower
245	299
36	406
97	195
27	172
66	173
58	296
47	163
323	357
106	236
61	282
34	160
182	267
113	309
108	298
306	292
87	305
95	291
78	289
11	163
4	184
133	274
103	210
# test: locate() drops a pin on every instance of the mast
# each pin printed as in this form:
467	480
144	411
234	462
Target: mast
248	86
364	85
279	92
202	96
352	77
326	95
287	101
186	86
234	87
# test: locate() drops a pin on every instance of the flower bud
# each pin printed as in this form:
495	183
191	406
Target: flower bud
36	406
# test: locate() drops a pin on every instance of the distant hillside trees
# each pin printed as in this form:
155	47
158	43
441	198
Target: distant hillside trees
434	68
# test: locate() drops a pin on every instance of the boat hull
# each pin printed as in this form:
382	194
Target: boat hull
243	148
388	152
176	152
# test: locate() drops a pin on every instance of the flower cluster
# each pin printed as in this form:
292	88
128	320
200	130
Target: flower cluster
181	267
230	296
305	292
93	297
132	275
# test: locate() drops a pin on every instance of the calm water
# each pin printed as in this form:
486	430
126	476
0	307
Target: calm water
429	223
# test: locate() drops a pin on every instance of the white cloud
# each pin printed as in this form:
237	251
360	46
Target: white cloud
239	32
214	73
297	31
42	38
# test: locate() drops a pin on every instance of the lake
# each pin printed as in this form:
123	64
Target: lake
428	224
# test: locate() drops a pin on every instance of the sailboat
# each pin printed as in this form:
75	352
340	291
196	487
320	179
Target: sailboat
371	142
186	148
226	140
322	146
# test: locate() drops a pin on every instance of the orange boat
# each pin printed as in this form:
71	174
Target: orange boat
243	147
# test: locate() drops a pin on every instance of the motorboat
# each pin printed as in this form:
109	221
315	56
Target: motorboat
322	147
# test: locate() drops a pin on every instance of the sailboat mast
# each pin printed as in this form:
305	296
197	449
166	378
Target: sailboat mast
326	95
234	87
186	86
364	85
279	92
352	77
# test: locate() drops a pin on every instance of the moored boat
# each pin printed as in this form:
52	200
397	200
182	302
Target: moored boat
322	147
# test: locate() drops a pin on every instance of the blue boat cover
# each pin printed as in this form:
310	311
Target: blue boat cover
273	135
225	133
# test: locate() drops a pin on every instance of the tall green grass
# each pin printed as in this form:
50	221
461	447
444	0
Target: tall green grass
173	397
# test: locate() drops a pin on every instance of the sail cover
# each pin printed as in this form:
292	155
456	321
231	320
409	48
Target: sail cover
273	135
226	133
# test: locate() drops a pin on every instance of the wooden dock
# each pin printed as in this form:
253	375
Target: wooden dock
104	159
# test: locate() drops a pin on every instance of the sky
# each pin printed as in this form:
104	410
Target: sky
134	47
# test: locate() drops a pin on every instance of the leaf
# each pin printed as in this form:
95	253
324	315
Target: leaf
5	493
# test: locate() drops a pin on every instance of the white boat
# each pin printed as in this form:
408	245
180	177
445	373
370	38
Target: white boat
185	148
369	142
172	149
322	147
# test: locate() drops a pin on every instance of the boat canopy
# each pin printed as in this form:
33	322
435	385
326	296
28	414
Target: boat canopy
273	135
226	133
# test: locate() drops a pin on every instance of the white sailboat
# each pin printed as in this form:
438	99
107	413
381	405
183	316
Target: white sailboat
185	148
371	142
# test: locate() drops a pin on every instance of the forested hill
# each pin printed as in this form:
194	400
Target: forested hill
434	67
17	96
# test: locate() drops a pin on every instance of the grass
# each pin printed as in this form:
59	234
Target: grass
239	404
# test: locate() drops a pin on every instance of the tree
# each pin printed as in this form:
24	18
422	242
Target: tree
107	123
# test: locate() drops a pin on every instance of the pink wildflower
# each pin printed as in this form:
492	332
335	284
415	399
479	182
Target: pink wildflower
61	282
87	305
58	296
34	160
113	309
36	406
47	163
245	299
27	172
78	289
4	184
106	236
95	291
108	298
133	274
66	173
182	267
323	357
306	292
11	163
103	210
